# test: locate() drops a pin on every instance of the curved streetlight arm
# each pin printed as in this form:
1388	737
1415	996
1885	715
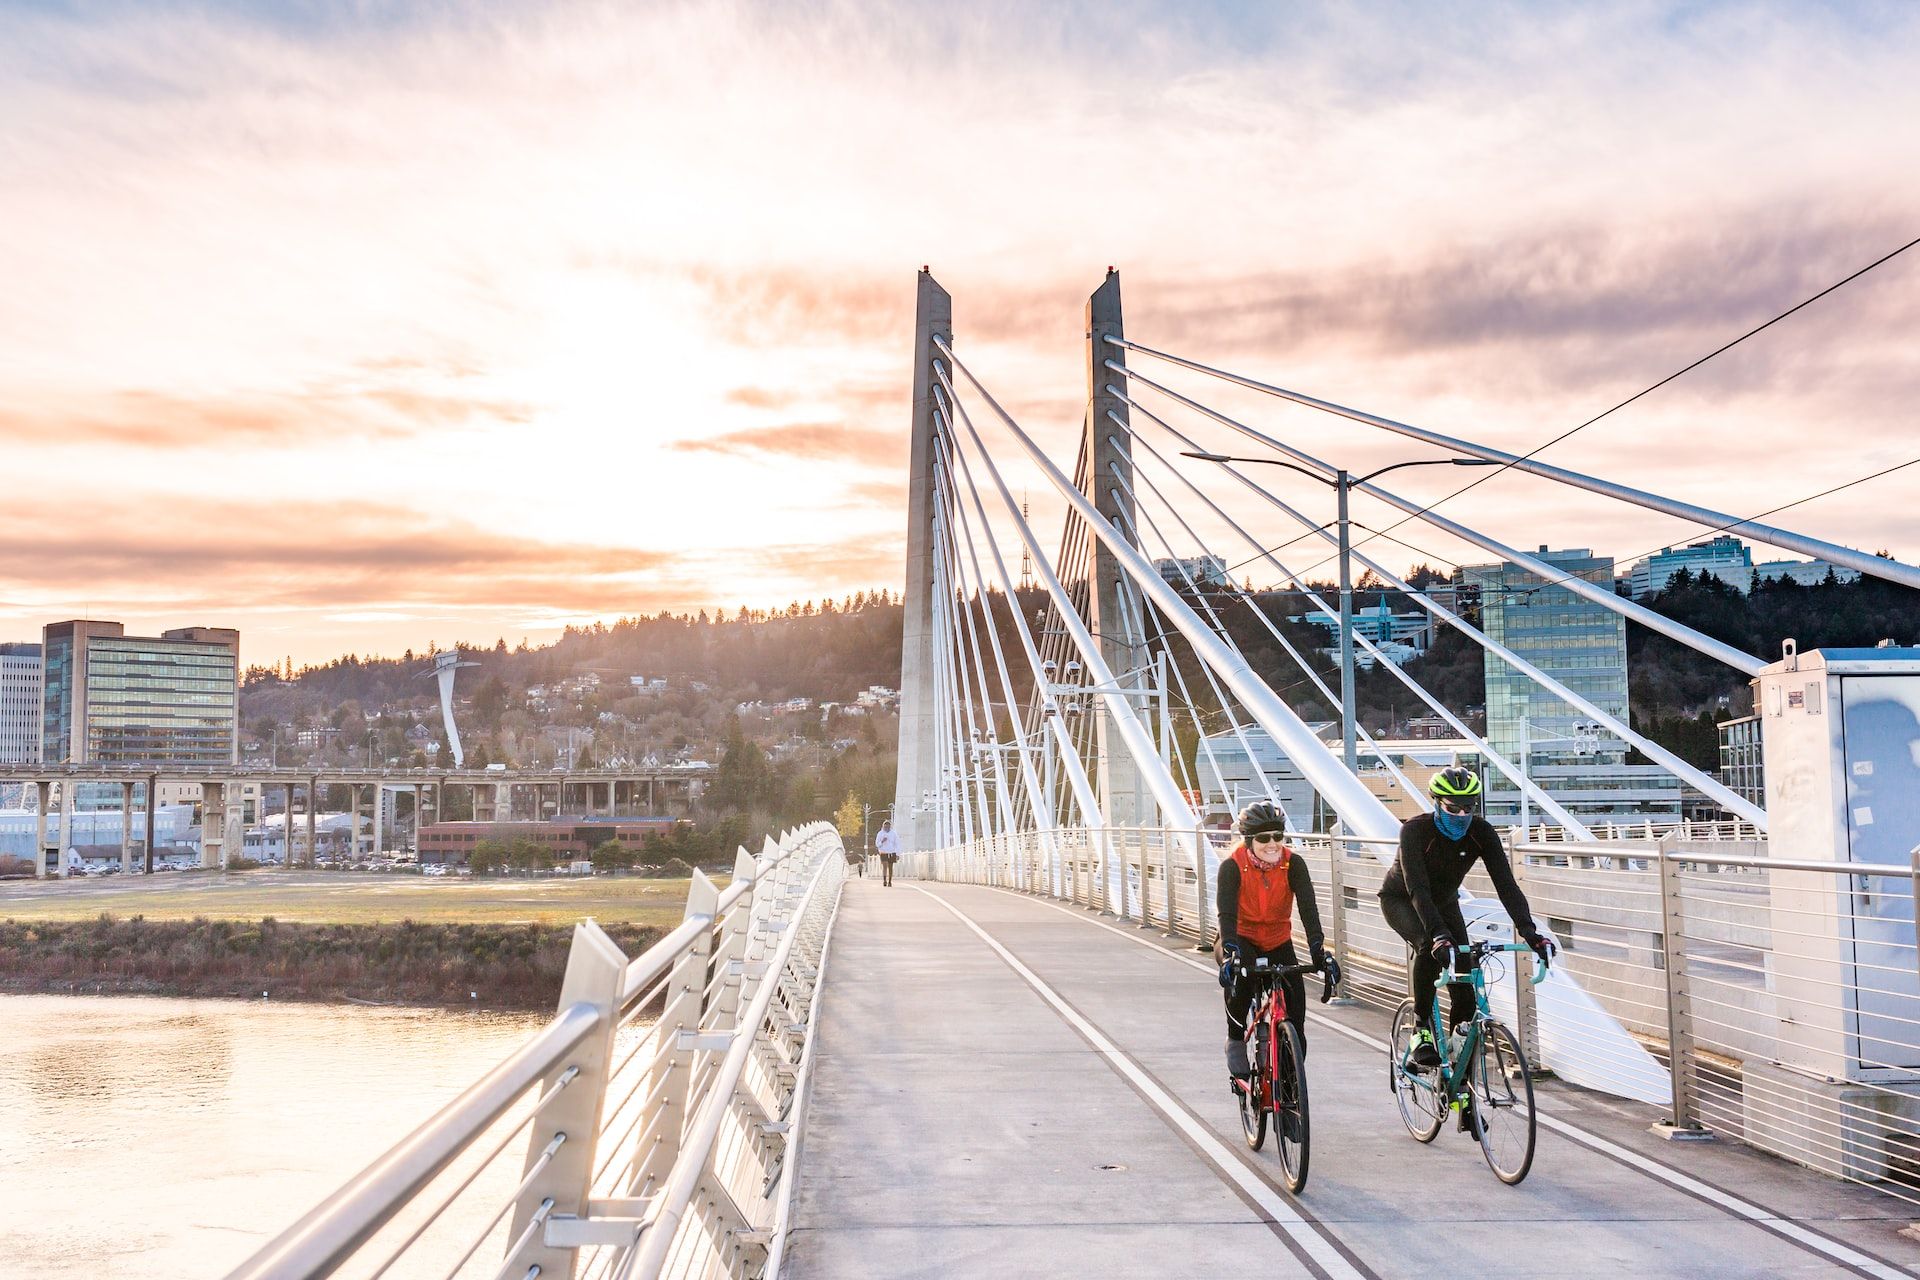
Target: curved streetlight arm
1427	462
1328	481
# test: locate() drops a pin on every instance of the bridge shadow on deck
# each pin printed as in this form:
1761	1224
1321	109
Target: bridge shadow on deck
960	1125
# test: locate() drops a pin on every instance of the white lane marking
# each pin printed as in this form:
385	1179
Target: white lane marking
1766	1219
1298	1229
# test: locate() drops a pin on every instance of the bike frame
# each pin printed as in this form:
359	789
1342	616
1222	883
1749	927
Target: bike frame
1453	1072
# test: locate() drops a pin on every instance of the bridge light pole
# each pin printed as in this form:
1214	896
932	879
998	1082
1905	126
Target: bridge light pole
1342	484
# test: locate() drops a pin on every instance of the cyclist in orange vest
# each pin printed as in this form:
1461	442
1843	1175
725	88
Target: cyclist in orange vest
1260	885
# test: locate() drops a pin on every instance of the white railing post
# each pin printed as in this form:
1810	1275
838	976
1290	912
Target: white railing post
685	1001
559	1163
730	955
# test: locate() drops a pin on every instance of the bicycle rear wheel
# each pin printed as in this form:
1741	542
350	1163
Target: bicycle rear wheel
1292	1135
1501	1087
1252	1097
1417	1094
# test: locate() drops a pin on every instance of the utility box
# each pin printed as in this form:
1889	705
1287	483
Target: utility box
1840	739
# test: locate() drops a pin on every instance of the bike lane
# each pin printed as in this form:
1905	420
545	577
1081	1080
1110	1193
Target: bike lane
957	1125
1404	1209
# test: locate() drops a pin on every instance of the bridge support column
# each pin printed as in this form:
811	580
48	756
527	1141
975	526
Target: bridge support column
67	792
153	819
313	822
43	795
1113	604
913	818
126	828
286	832
379	806
213	824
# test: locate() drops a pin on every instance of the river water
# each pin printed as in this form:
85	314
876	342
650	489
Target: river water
146	1138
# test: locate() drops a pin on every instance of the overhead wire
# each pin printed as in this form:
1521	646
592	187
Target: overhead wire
1678	373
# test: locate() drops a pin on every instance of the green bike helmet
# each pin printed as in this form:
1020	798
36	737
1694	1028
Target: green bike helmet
1456	783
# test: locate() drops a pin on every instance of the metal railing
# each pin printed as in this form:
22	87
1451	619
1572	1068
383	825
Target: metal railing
657	1112
1772	1001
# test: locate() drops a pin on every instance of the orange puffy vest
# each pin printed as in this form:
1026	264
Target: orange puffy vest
1266	899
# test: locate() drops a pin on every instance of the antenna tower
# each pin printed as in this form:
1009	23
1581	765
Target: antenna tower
1026	558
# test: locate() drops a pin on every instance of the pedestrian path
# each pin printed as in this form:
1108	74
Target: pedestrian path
1009	1087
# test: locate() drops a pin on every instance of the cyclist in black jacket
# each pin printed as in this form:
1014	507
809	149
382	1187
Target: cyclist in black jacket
1421	895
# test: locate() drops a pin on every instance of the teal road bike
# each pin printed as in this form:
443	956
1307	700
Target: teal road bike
1483	1075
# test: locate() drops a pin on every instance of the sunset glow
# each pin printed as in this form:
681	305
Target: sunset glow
360	329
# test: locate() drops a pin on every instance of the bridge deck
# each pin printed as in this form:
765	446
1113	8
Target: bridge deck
1006	1087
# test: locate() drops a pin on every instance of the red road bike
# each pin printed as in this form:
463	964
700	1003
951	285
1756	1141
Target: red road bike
1276	1085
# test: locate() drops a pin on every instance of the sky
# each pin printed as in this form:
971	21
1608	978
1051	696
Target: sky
372	327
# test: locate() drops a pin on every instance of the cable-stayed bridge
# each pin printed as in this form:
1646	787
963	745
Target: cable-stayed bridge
1009	1062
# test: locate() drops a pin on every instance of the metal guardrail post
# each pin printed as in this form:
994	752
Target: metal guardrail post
1526	1007
685	1001
558	1178
1200	883
1337	899
1683	1122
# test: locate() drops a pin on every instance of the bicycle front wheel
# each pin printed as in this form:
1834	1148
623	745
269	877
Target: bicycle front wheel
1502	1092
1290	1130
1416	1093
1253	1098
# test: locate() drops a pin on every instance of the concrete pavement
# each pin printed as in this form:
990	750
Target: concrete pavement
1007	1087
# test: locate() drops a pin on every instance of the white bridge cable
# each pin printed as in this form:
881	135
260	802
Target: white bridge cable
1213	683
1300	659
1200	730
1506	767
969	752
1022	747
1786	539
1003	801
1052	721
1173	805
1708	785
1605	597
1069	754
956	797
1358	808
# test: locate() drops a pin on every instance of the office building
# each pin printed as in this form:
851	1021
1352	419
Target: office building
1378	623
1740	760
112	698
1725	557
1808	573
20	703
1582	644
1205	571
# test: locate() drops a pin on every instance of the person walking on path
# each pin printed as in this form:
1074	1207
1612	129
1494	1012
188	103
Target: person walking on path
886	843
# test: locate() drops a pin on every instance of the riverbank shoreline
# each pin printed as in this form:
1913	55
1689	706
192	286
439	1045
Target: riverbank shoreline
504	967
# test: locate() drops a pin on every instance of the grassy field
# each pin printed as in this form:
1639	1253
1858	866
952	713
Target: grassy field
348	898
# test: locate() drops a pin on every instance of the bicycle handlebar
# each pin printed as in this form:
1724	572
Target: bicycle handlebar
1275	974
1481	949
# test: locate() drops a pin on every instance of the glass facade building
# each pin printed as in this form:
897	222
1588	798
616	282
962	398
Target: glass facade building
1583	645
112	698
1741	767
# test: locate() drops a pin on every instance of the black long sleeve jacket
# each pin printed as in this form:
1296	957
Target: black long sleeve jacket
1431	868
